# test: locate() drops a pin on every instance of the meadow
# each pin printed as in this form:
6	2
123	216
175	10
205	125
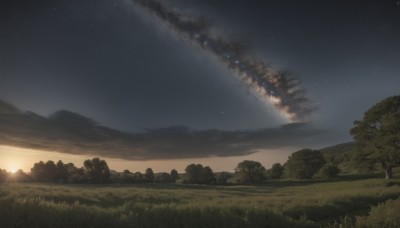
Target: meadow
348	202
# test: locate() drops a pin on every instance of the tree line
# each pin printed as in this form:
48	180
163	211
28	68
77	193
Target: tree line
301	165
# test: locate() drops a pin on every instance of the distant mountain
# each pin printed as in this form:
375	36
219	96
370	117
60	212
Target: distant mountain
6	108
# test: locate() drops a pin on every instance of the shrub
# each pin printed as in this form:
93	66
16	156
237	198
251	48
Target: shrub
329	171
383	215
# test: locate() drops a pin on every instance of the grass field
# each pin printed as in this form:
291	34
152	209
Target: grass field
339	203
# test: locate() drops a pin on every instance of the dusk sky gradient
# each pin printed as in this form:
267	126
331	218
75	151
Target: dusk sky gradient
116	63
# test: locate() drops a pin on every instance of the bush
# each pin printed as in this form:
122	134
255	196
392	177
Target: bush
329	171
383	215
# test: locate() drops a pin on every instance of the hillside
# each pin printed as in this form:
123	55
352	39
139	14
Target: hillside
340	154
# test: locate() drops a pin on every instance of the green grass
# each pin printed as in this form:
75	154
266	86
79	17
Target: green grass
274	204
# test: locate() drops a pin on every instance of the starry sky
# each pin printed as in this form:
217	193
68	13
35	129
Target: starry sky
115	62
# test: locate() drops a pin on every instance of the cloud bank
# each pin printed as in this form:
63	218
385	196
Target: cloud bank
69	132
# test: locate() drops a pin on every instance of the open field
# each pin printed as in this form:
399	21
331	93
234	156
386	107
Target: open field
274	204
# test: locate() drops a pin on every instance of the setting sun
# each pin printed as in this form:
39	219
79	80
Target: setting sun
13	170
14	158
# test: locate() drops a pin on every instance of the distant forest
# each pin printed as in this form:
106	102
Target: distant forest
303	164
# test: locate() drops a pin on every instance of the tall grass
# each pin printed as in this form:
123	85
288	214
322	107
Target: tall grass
383	215
277	204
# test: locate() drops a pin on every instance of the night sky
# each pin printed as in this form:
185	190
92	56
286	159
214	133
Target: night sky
117	63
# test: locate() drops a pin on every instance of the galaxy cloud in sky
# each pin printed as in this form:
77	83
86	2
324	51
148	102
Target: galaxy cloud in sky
277	87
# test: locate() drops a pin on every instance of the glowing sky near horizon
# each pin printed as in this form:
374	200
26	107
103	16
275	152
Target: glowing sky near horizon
14	158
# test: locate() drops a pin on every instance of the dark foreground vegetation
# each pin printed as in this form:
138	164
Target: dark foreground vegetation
343	202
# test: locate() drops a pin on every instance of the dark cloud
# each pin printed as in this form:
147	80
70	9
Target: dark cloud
68	132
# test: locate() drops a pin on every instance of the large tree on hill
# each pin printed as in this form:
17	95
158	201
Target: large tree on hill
303	164
378	134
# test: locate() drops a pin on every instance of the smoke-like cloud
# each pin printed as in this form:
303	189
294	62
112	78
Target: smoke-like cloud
278	87
72	133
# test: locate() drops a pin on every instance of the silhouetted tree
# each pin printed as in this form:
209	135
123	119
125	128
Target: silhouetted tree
223	177
207	176
197	174
3	175
127	176
193	173
303	164
62	172
163	178
250	172
149	175
276	171
138	177
97	171
174	175
378	135
20	176
75	175
46	172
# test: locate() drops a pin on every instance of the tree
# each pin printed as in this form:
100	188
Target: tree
378	135
223	177
62	172
138	177
3	175
193	173
126	172
75	175
97	171
125	177
163	178
276	171
329	170
174	175
149	175
46	172
303	164
197	174
250	171
20	176
206	176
